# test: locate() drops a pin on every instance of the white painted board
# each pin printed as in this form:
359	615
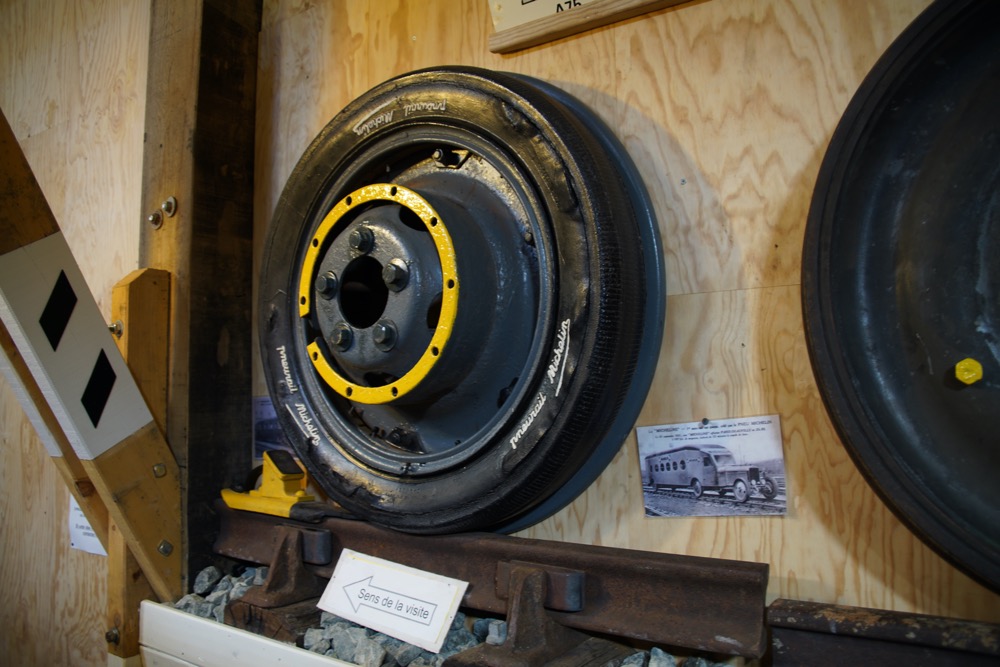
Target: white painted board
169	637
51	314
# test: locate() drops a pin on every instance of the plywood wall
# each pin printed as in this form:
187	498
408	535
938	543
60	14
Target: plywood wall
73	87
726	106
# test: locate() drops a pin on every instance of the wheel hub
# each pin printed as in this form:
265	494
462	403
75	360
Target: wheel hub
381	279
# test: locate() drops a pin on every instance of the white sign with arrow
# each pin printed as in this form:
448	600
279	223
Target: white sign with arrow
403	602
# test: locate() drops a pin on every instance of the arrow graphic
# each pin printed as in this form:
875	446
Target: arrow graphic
364	593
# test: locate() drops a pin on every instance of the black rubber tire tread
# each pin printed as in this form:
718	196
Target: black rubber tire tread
850	196
606	313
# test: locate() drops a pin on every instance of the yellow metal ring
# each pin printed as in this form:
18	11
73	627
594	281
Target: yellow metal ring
449	298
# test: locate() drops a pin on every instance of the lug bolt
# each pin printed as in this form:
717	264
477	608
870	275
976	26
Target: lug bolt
342	337
165	548
394	275
384	335
326	284
361	239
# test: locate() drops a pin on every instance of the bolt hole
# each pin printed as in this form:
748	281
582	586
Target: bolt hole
434	222
315	356
451	283
348	201
350	391
380	379
435	351
395	392
392	191
302	300
409	218
363	293
315	243
434	312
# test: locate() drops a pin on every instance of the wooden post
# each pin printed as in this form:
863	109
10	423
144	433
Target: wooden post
200	102
140	313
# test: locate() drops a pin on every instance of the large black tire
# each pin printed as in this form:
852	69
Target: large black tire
900	280
550	271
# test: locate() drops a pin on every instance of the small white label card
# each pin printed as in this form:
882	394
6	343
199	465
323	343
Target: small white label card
403	602
81	534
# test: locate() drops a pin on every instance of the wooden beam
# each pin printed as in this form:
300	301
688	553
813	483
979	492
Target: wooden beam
140	303
140	312
573	21
58	330
25	216
200	102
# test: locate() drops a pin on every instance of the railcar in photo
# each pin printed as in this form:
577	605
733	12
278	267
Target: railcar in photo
707	467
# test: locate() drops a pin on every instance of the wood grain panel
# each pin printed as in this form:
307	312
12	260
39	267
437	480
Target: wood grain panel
53	596
72	84
728	114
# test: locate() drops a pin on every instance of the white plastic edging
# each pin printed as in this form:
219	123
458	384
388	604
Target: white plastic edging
172	638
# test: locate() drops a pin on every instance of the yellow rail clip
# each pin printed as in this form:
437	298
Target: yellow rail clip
282	486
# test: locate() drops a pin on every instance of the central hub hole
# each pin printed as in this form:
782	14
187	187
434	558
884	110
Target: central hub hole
363	295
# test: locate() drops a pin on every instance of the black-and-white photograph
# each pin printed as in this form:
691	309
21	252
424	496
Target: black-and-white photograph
725	467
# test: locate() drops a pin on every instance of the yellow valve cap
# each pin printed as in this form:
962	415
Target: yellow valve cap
968	371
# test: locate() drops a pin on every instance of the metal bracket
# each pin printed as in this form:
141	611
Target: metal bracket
533	637
564	588
288	580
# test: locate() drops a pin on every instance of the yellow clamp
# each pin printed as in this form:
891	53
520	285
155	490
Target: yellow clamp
282	485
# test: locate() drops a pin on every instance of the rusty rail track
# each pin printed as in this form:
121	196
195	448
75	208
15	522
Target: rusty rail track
704	604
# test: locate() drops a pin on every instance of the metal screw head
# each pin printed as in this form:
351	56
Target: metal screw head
394	275
361	239
342	337
117	328
155	219
384	335
326	284
169	207
112	636
165	548
159	470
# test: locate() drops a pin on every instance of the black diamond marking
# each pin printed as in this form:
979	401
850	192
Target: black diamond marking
60	306
95	396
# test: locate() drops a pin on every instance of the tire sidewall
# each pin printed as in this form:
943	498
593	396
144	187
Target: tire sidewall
535	430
